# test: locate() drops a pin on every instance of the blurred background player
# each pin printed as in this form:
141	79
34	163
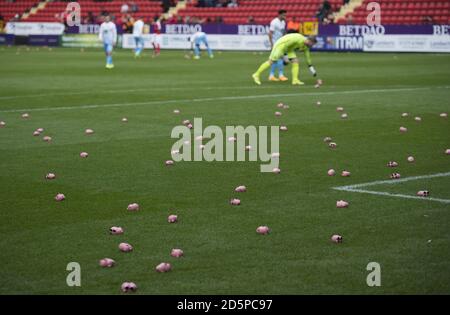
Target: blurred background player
108	35
276	30
196	39
285	48
156	38
138	30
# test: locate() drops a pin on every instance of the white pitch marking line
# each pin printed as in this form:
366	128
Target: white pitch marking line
222	98
355	188
382	193
395	181
150	89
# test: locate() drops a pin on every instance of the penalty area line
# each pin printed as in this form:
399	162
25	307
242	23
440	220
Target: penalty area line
118	91
220	98
357	187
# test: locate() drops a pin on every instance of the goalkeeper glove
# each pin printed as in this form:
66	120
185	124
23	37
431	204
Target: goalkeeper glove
312	70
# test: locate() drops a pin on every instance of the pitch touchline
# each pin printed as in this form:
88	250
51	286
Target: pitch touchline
356	187
222	98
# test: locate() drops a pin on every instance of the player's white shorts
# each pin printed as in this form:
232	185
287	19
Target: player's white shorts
156	39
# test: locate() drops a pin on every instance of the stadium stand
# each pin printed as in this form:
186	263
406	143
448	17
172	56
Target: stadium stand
408	12
9	9
258	11
262	11
54	9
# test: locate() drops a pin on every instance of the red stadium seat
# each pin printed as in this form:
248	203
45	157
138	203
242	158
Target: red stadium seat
393	11
146	7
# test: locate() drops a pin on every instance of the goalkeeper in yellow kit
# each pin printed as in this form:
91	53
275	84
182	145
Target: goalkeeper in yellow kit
285	48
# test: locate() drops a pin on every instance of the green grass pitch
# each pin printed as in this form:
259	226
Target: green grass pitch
66	91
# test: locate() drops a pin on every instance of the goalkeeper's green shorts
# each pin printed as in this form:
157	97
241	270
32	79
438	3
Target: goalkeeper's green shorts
278	52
